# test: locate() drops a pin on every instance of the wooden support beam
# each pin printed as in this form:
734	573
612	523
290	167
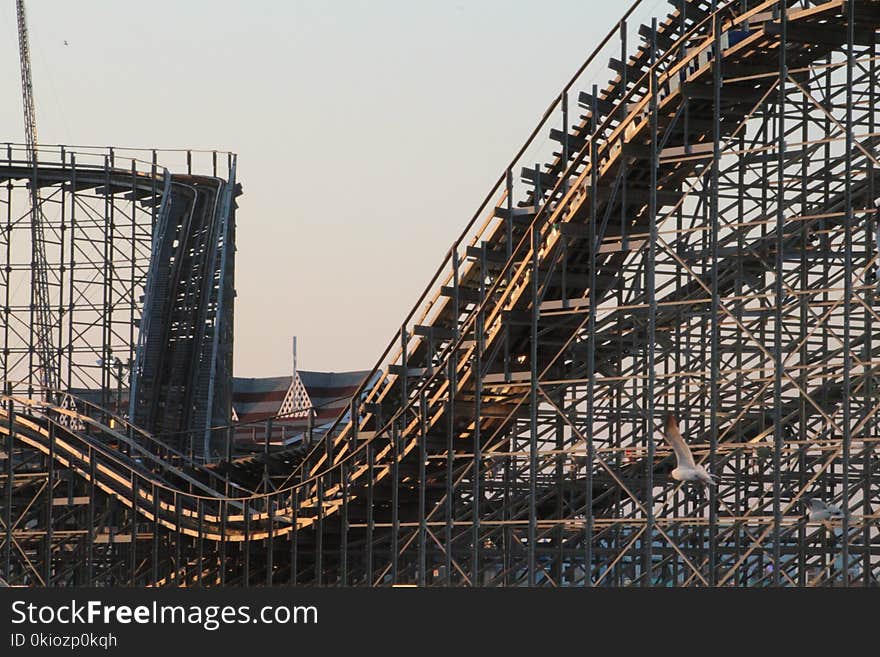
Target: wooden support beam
466	294
578	303
435	332
70	501
491	255
729	92
503	213
679	151
410	372
546	180
822	34
604	105
575	142
515	377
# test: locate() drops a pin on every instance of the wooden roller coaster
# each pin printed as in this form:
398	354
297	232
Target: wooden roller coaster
700	239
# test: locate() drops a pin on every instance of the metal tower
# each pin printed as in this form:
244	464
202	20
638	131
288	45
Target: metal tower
42	322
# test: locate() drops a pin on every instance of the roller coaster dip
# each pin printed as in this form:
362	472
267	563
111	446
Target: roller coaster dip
699	239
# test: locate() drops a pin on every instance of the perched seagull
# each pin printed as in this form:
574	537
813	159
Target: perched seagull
822	512
65	42
686	469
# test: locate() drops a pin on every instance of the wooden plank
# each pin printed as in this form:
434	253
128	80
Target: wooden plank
410	372
438	332
575	142
504	213
547	180
604	106
617	247
761	17
679	151
465	294
489	410
565	304
515	377
491	256
122	537
68	501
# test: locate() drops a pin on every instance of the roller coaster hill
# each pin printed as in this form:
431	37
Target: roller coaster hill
697	237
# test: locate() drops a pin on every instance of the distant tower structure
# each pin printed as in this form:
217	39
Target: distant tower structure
41	321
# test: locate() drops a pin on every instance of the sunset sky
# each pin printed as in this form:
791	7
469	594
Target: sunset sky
367	134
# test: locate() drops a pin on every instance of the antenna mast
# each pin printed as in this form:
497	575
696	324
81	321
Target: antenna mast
41	311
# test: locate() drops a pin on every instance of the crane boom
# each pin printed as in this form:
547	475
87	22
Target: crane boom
41	310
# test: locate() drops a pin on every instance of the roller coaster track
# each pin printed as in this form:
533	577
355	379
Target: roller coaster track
185	316
183	355
702	243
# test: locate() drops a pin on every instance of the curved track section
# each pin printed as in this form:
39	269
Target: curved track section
701	242
182	376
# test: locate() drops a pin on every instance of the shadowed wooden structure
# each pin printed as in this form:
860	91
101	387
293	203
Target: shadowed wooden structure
697	237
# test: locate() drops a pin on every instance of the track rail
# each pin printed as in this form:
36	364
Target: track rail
510	438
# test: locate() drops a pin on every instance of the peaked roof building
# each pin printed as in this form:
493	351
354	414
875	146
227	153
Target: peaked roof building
276	409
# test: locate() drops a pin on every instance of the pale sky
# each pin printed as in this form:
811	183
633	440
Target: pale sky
367	132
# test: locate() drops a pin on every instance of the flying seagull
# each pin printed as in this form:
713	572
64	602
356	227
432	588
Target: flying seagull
822	512
686	469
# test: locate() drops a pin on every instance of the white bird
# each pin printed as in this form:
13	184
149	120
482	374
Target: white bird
822	512
686	469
